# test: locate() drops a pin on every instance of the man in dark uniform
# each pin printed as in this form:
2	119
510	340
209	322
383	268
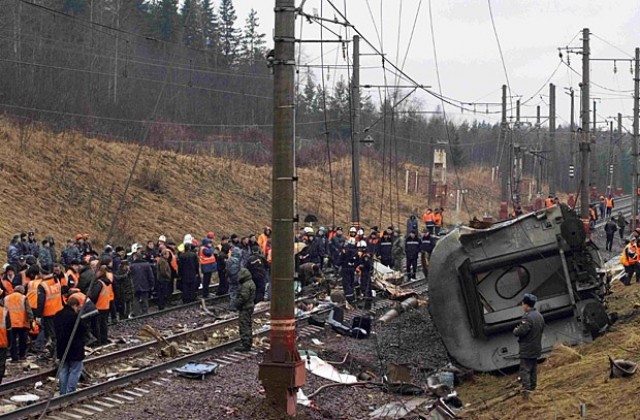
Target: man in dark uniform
427	243
385	246
348	264
529	333
412	250
365	268
245	304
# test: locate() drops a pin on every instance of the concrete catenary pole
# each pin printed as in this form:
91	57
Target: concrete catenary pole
504	153
634	147
553	167
282	371
617	181
592	153
355	134
585	141
610	163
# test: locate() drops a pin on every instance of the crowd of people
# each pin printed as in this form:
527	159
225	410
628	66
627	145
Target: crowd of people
43	292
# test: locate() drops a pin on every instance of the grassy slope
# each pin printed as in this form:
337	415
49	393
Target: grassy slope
62	184
570	377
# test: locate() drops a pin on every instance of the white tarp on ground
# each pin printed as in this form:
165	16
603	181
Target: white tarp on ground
320	368
303	399
399	409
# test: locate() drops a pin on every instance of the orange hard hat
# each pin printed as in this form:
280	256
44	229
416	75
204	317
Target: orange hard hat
78	236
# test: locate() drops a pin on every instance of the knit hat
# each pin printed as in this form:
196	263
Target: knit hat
529	299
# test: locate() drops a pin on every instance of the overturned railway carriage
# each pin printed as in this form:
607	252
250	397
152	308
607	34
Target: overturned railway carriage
477	279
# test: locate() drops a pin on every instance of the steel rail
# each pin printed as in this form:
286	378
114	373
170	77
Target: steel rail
103	387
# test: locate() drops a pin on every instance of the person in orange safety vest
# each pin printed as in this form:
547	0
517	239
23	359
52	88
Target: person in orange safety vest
49	303
21	317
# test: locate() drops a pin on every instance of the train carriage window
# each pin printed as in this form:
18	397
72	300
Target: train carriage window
512	282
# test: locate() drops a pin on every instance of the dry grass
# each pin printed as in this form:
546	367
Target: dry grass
569	378
64	183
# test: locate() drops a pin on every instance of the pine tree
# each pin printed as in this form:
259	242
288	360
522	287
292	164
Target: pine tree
165	18
252	40
209	25
192	22
228	33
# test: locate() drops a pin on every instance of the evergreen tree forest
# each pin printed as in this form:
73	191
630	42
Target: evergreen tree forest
199	71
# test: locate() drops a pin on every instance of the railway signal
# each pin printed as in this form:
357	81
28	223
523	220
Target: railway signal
572	171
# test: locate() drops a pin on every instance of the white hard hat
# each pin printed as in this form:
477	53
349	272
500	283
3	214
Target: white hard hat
162	238
188	239
308	229
4	267
353	229
362	244
135	247
361	232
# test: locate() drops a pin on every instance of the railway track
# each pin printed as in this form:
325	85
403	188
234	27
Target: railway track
132	364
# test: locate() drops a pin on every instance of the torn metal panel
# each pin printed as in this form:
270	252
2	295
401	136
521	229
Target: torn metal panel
477	279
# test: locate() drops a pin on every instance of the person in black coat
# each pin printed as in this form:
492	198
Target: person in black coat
412	250
529	332
348	263
610	230
256	264
189	271
64	322
385	246
221	259
143	281
427	243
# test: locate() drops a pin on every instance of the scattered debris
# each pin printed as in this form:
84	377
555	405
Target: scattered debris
412	302
323	369
399	409
24	398
622	368
194	370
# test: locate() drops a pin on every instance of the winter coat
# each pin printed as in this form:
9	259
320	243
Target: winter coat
94	293
335	246
349	258
233	264
221	258
384	248
33	248
211	267
257	267
427	243
246	292
412	225
610	228
322	244
188	267
412	247
69	254
245	253
164	271
13	254
142	276
529	333
46	261
87	275
63	323
620	220
123	286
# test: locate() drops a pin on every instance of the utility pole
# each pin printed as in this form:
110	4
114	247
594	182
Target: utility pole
430	160
553	167
610	188
593	158
584	141
616	169
634	147
537	161
282	372
505	173
355	134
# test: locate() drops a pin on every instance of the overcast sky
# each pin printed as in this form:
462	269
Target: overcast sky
530	31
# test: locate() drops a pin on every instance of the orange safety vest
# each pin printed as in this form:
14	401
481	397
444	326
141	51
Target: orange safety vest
103	298
4	340
23	274
437	219
204	260
14	303
8	286
174	260
627	261
32	292
80	297
609	203
548	202
75	276
112	295
53	293
427	217
263	239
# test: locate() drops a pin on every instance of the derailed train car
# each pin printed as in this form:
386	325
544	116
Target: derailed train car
477	278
